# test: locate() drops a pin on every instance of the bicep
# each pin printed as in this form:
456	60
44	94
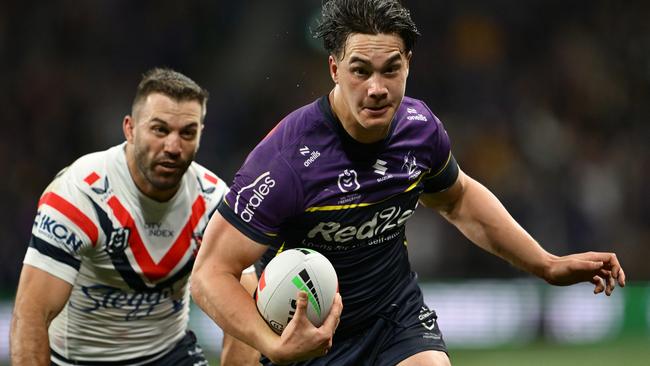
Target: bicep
226	249
445	201
41	293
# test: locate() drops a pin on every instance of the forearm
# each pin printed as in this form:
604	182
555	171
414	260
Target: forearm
480	216
29	340
222	297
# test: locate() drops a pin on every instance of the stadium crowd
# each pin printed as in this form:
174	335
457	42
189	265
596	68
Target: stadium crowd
546	103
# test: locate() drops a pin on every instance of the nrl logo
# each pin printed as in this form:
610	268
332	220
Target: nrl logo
348	181
118	241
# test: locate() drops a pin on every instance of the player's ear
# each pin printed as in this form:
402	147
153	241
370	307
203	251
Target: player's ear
128	125
408	61
334	69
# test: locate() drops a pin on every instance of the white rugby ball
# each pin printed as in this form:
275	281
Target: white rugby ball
290	271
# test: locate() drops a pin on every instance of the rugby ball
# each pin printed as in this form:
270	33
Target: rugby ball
290	271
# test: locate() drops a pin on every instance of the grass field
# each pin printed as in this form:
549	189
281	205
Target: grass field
628	352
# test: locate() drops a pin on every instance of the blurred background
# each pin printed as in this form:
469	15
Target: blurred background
546	103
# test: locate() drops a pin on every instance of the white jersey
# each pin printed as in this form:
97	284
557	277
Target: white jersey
127	256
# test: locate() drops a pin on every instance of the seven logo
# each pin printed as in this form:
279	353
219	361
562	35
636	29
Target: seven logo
255	200
348	181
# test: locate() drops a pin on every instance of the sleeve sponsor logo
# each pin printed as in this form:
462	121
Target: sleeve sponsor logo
260	188
133	305
56	231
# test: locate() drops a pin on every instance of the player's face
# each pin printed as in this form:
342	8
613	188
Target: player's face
163	138
371	80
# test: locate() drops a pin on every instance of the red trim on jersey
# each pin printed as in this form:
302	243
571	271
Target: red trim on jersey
210	178
150	269
262	282
91	178
72	213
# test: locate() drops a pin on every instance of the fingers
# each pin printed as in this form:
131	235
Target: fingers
301	306
621	277
333	318
598	282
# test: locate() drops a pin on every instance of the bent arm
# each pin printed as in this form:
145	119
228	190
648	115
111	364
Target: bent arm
224	254
234	351
479	215
40	297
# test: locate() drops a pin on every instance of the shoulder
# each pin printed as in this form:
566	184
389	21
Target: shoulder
295	127
416	114
210	186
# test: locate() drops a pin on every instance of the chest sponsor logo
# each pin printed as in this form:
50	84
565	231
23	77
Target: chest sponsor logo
348	181
381	168
56	231
411	166
118	241
313	155
259	189
157	230
386	221
134	305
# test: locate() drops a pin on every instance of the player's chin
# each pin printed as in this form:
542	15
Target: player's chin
167	181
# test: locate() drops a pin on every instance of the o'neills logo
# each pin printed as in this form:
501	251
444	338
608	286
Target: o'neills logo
314	155
261	188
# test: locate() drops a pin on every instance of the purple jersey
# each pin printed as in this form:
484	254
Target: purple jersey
309	184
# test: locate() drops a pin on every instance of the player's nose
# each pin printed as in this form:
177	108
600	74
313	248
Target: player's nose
377	88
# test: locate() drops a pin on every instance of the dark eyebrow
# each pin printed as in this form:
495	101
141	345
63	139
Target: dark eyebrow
192	124
392	59
156	119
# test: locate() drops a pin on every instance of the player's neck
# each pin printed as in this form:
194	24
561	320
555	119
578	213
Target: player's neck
342	111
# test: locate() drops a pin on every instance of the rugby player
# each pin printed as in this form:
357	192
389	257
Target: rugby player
342	175
105	277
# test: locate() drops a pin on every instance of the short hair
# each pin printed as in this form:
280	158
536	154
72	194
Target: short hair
341	18
172	84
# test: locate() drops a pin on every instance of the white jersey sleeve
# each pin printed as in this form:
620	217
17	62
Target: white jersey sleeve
64	228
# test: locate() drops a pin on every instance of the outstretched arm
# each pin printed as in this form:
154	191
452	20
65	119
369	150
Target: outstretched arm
40	297
224	254
235	352
479	215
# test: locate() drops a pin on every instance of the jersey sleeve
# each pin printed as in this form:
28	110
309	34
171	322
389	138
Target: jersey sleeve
444	170
264	194
63	229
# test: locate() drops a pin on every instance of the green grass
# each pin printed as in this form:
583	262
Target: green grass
625	352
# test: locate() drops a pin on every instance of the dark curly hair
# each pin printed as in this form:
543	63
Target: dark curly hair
340	18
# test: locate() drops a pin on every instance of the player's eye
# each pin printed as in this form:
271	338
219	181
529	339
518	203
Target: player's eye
359	71
189	134
159	130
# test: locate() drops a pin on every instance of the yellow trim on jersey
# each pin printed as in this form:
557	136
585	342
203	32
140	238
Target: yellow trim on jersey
443	167
362	204
281	249
416	182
